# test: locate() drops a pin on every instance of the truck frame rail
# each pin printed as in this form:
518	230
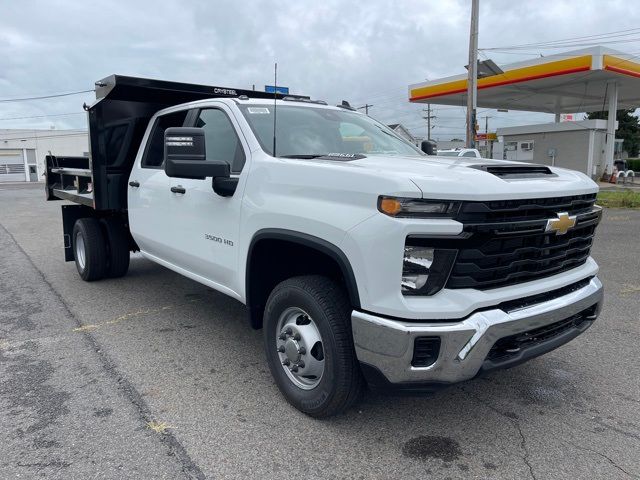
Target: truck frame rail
69	178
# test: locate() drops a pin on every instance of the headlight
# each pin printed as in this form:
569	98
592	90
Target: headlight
417	207
425	270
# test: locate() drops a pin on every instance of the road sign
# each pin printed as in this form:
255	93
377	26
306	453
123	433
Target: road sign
278	89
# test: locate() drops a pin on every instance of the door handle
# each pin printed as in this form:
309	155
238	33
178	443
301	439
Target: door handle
178	190
133	183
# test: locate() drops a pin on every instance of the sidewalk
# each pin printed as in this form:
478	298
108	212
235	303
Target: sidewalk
620	186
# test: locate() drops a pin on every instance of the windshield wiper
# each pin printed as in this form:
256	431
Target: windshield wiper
317	155
332	156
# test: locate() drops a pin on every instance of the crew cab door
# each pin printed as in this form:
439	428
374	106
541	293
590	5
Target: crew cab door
205	225
183	222
149	196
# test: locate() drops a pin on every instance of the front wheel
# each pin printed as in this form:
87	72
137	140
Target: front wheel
309	345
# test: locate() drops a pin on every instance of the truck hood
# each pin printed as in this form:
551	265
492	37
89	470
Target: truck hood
459	178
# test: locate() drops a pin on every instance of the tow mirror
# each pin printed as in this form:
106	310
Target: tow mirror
429	147
185	155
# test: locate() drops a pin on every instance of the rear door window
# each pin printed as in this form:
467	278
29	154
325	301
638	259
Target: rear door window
154	153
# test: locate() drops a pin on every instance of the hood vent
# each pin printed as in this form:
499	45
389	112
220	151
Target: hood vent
512	171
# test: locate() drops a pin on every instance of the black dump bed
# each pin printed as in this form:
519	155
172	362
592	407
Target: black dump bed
117	122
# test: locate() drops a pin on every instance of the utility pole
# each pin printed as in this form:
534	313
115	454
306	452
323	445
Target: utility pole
488	142
428	119
366	108
472	79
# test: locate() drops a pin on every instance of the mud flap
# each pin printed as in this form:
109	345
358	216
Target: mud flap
71	213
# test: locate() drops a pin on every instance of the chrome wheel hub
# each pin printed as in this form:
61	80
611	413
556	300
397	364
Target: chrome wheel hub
80	253
292	350
300	348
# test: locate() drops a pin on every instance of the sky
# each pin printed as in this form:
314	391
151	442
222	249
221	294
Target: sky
363	52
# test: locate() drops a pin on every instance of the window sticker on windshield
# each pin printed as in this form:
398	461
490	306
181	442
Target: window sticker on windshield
262	110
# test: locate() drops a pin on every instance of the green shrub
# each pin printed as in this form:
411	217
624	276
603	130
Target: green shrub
633	164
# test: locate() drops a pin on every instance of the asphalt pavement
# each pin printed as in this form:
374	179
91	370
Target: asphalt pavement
155	376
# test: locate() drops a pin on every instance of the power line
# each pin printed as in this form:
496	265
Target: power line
398	98
379	94
566	45
44	136
617	33
43	116
41	97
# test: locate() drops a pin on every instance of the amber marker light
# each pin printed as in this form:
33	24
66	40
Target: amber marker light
390	206
417	207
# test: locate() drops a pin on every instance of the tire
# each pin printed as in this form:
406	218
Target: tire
117	246
303	303
89	249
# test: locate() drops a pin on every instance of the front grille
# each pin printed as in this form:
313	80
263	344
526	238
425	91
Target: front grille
516	210
507	244
512	345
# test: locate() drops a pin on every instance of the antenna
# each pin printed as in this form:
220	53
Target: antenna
275	104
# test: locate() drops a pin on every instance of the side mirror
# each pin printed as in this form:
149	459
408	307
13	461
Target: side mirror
429	147
185	155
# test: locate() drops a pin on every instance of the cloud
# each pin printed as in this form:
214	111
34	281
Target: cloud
364	52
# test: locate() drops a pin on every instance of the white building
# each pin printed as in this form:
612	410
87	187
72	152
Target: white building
22	152
576	145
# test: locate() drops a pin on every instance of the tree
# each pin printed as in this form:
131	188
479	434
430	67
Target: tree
628	129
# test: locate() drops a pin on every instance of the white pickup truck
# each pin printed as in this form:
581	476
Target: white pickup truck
364	261
460	152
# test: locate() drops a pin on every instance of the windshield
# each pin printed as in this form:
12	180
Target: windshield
448	154
311	131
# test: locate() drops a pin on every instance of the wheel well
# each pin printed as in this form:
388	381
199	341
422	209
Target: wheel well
272	260
72	213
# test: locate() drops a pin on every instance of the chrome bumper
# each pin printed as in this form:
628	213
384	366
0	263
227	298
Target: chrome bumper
387	344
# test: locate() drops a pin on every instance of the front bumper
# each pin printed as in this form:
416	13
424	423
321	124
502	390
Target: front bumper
385	346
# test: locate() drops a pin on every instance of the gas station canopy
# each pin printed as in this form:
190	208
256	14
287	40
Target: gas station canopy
577	81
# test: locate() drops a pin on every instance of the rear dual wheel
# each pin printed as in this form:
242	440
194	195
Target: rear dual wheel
89	249
100	248
117	240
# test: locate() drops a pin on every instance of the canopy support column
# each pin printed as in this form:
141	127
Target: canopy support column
611	126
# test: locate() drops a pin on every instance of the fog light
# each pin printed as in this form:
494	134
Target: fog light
416	264
425	268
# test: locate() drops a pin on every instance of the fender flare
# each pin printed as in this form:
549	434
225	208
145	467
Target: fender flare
310	241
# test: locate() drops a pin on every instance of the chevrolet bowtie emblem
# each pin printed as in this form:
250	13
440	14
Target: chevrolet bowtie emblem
562	224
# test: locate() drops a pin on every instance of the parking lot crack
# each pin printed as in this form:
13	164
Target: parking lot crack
606	457
523	445
513	420
625	433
